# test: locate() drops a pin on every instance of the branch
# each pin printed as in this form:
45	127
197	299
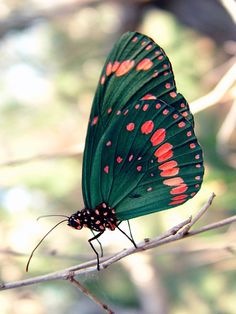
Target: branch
230	7
77	284
40	157
174	234
214	96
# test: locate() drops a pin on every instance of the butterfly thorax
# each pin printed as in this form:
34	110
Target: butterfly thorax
98	219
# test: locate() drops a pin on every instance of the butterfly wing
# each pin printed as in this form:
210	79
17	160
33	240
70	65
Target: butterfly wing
137	68
147	160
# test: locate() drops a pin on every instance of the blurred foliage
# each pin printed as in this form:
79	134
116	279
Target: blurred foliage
48	77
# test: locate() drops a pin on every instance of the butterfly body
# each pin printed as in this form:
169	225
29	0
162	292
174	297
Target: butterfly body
98	219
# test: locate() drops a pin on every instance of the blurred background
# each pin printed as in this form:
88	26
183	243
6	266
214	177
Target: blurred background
52	53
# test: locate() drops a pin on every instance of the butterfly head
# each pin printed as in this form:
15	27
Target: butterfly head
76	221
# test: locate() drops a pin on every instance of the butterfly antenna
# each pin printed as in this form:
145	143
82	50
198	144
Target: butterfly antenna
32	253
45	216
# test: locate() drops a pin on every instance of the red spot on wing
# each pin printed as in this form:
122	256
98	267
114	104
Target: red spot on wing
155	74
109	69
149	189
148	47
179	197
165	156
95	120
173	181
179	189
189	133
175	116
147	127
108	143
170	172
124	67
158	106
167	85
176	202
160	58
145	107
163	149
131	157
185	113
135	39
115	66
137	106
144	65
173	94
165	111
103	78
158	137
197	157
130	126
168	165
109	110
182	105
119	159
192	145
106	169
139	168
181	124
148	96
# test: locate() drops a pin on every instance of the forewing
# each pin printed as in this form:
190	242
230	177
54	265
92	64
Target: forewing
147	160
137	68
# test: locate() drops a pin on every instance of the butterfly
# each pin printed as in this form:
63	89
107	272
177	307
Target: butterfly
141	154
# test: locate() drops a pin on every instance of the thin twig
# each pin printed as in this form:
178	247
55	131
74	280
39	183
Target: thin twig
230	7
199	214
40	157
90	266
77	284
214	96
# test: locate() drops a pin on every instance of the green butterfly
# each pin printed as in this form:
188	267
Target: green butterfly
141	154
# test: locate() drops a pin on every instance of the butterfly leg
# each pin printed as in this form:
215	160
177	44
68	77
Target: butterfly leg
100	244
131	237
93	248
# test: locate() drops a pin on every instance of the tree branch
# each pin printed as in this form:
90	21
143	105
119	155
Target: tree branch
77	284
218	92
41	157
175	233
